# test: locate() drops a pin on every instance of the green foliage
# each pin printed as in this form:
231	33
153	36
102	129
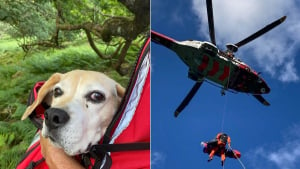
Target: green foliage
14	140
28	19
36	20
18	74
113	7
4	28
96	11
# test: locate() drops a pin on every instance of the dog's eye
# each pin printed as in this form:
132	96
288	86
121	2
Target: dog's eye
96	97
57	92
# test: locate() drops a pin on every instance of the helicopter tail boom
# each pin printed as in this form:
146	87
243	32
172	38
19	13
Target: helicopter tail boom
162	39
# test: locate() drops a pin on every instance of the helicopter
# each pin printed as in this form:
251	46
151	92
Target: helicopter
206	62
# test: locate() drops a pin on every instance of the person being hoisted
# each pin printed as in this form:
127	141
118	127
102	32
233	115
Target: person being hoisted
218	145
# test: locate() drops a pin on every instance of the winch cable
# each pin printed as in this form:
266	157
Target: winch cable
223	121
225	103
223	114
240	161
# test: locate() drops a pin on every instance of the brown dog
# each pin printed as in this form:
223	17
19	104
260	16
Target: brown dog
82	105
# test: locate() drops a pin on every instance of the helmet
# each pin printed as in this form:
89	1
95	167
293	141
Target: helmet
223	138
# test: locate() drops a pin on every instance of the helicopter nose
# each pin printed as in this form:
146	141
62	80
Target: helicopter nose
263	87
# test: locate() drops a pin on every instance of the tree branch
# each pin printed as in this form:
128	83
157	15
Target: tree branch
123	53
121	67
26	47
93	46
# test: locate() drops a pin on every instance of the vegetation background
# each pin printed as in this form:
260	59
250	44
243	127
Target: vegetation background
38	38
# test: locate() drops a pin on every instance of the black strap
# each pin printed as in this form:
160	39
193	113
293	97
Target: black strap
99	157
33	164
107	165
121	147
100	152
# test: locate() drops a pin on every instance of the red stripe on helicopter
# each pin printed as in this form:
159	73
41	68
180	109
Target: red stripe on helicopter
215	69
204	63
225	73
161	36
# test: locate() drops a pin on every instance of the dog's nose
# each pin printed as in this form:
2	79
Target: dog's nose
55	118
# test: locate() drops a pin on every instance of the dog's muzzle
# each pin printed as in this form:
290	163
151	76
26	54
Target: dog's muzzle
55	118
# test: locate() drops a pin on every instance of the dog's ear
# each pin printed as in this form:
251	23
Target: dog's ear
120	90
42	94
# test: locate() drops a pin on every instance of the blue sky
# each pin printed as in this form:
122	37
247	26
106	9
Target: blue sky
267	137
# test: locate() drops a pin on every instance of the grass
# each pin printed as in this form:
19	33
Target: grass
18	74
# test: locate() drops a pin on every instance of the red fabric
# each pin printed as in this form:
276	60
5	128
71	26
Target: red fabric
34	156
37	87
137	131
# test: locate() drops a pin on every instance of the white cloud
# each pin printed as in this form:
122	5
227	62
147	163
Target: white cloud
286	74
157	158
285	155
235	20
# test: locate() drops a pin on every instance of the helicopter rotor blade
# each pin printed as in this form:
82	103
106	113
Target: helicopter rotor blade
210	18
262	100
261	32
188	98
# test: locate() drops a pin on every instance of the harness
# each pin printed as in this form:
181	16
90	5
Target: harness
100	155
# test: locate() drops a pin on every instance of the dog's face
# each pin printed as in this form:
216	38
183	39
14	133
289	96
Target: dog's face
82	105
